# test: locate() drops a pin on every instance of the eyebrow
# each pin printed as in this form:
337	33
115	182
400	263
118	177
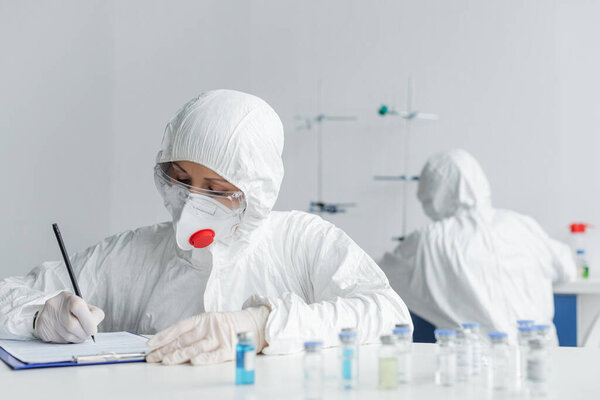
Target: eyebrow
180	167
206	179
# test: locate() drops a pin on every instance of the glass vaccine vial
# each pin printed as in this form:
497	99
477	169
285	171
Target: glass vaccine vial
524	335
388	363
537	368
543	332
348	359
464	356
404	347
445	373
313	370
472	329
245	359
500	359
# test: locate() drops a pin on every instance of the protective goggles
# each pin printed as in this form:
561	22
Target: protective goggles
165	176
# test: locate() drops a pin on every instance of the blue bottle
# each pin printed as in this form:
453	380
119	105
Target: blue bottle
245	359
349	359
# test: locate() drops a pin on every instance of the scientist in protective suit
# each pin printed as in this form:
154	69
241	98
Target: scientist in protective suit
475	263
225	263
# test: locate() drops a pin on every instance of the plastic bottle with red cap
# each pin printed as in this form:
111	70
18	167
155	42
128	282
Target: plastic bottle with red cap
578	235
579	227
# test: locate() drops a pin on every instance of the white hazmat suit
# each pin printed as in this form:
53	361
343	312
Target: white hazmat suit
475	263
312	277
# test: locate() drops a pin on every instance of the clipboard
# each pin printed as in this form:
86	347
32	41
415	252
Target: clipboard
80	360
17	364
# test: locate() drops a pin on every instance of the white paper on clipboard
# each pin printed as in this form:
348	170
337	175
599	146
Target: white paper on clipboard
38	352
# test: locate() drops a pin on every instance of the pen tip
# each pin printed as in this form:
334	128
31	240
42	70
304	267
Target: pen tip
93	338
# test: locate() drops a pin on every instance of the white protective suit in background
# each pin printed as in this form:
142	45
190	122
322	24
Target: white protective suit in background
313	278
475	263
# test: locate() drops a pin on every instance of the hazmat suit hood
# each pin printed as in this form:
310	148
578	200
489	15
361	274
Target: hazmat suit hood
237	135
452	182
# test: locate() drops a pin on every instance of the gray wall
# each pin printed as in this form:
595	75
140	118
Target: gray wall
56	88
90	86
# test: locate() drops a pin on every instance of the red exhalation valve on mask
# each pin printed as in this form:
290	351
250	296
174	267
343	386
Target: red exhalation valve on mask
202	238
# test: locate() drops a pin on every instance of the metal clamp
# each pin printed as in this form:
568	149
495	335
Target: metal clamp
109	357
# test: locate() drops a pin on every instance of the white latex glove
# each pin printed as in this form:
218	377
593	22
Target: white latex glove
207	338
67	318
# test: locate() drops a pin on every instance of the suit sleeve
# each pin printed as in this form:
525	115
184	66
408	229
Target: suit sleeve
345	289
22	296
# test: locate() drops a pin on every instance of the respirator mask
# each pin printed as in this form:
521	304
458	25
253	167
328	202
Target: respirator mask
200	216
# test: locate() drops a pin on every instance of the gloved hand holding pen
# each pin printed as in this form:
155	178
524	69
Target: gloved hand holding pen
67	318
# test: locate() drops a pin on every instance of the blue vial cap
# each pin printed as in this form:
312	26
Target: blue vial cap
526	328
468	325
541	327
445	332
347	334
497	335
401	330
580	251
522	322
313	344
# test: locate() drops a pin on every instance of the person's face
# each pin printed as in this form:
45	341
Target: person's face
199	176
428	209
425	196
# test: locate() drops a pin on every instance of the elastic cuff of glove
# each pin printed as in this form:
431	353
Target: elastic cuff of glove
257	301
35	319
259	316
31	313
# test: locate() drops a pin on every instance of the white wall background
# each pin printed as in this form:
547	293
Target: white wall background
56	133
88	87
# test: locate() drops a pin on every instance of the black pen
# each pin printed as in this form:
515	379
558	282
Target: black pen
65	255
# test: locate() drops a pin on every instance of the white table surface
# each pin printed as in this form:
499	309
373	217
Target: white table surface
580	286
576	375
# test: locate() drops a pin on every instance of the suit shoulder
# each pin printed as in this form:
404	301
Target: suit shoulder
145	234
297	219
